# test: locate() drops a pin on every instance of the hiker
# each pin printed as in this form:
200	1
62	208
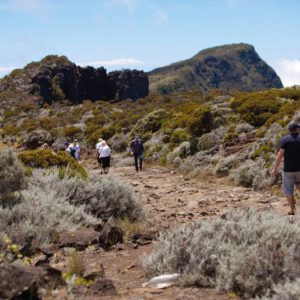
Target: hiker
45	146
137	149
70	149
104	155
290	152
98	145
77	150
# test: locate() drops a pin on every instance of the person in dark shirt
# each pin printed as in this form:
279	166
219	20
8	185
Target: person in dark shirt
137	149
290	152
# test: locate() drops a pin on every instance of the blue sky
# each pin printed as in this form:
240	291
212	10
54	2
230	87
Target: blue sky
146	34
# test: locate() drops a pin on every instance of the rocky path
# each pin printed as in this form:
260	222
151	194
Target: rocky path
169	199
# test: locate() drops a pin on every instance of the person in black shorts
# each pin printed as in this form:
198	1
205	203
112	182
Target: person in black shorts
290	152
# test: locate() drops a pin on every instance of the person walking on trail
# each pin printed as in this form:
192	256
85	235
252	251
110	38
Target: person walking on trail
137	149
104	155
98	145
74	150
290	152
70	149
77	150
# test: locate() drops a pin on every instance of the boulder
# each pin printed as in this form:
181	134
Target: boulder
93	270
110	235
101	287
79	239
20	282
37	138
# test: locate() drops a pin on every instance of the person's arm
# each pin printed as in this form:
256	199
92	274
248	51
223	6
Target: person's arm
131	148
278	160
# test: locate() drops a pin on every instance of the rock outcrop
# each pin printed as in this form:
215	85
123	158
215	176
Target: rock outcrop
56	79
227	67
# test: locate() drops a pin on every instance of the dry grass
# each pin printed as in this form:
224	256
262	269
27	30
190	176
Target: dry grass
76	264
131	227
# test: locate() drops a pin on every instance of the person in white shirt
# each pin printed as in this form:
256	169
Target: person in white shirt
98	145
77	149
104	155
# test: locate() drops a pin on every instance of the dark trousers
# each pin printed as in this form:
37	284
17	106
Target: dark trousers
138	157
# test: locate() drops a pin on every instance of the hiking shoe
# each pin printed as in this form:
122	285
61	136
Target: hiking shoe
291	213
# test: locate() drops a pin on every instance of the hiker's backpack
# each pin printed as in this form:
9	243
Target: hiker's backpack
72	151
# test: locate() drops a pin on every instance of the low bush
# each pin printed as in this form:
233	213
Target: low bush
252	174
150	123
45	158
102	197
178	136
12	177
248	253
41	212
286	291
72	132
201	121
207	141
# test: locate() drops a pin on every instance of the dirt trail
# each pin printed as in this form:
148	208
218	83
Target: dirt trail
170	198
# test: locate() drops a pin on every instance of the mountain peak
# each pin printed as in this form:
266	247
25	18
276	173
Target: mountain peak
232	66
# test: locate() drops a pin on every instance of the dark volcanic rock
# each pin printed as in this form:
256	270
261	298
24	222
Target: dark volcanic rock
20	282
56	79
79	239
128	84
227	67
110	235
37	138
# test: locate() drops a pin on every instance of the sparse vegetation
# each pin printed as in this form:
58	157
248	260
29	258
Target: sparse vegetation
12	178
248	253
45	158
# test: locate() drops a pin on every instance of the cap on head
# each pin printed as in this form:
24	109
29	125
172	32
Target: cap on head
75	141
100	140
66	143
293	126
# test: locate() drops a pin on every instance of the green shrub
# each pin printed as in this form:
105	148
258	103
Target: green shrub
149	124
12	177
256	108
207	141
72	132
105	133
201	121
11	130
263	151
231	135
45	158
48	123
248	253
58	92
178	136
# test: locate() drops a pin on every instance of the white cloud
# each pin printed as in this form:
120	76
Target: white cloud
114	62
288	70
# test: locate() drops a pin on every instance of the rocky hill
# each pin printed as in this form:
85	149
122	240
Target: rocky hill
235	66
55	78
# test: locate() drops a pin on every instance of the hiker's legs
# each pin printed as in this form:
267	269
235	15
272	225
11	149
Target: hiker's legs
288	183
136	162
141	161
292	202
